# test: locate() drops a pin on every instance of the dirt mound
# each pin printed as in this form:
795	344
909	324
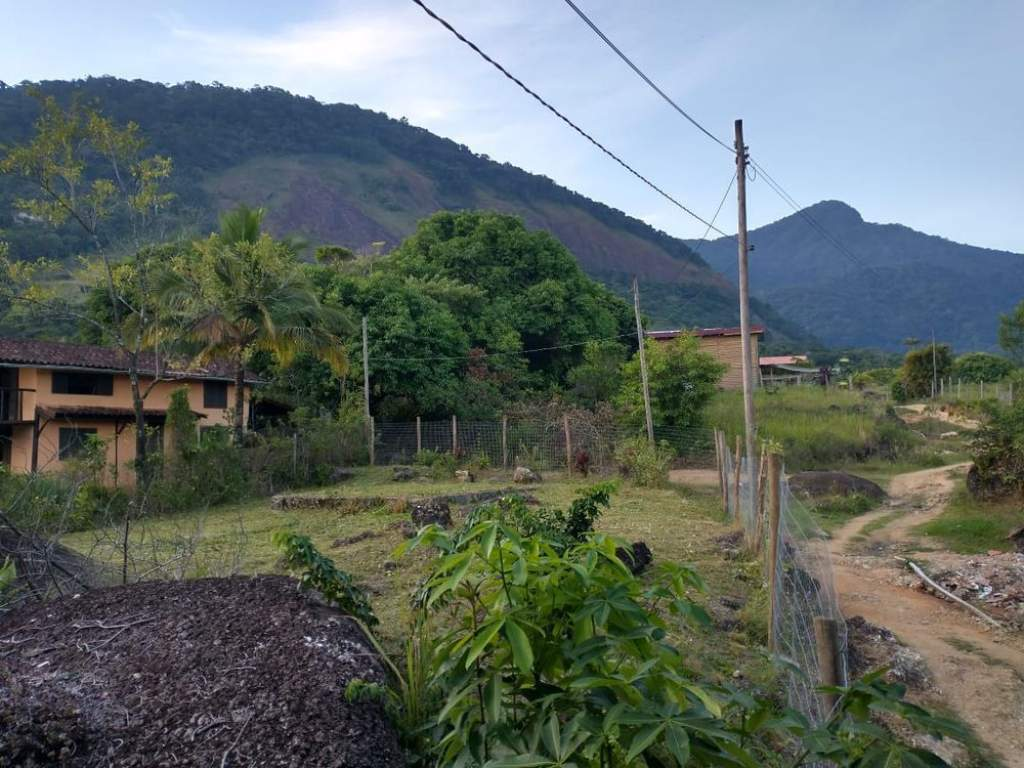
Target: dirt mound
215	672
818	484
870	647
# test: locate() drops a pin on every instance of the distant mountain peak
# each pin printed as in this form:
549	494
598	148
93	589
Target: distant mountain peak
836	211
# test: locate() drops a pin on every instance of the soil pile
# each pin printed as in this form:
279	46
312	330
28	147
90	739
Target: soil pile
818	484
223	672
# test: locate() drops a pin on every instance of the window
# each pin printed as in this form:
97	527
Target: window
215	394
77	383
72	440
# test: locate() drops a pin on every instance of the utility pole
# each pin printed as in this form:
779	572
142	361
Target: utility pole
366	372
935	366
643	363
744	250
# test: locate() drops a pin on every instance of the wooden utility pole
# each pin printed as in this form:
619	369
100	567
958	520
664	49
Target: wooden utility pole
366	372
744	281
643	363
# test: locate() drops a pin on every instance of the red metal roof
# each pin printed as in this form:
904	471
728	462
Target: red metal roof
58	354
703	332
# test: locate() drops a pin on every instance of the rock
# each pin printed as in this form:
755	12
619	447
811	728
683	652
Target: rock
948	435
985	486
341	474
637	558
427	512
403	474
464	476
819	484
525	475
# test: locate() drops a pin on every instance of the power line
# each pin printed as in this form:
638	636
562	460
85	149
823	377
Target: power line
772	184
646	79
562	117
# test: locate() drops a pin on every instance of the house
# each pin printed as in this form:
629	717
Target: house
787	369
54	395
726	346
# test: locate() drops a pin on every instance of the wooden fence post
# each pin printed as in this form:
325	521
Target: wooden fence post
959	383
504	442
419	435
723	482
568	443
455	435
373	441
774	511
736	478
826	643
762	492
981	394
295	454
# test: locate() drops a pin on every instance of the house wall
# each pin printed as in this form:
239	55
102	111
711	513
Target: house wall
729	350
120	447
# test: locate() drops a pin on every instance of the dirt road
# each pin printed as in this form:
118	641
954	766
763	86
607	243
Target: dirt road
978	672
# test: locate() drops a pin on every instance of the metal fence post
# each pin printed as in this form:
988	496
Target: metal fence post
455	434
419	434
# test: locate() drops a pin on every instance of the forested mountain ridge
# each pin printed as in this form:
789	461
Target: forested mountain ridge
341	174
901	283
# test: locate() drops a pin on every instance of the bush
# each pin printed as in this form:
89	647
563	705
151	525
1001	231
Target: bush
875	377
924	367
440	465
644	464
982	366
559	657
997	449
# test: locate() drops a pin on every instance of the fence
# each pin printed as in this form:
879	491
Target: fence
539	444
958	389
805	623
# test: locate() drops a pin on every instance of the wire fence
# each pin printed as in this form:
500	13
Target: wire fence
801	579
539	444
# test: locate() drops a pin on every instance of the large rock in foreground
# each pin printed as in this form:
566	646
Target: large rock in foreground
816	485
208	672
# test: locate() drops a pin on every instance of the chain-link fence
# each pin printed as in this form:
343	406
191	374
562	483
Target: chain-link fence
803	604
538	444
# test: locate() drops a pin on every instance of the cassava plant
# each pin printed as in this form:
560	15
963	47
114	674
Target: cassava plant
558	656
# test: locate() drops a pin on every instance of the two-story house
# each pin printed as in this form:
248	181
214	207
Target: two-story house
53	395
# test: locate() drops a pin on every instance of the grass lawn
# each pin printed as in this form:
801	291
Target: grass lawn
679	524
969	526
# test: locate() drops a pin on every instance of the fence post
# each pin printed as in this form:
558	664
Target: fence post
455	434
981	395
373	441
568	443
959	383
827	645
504	442
762	479
942	387
774	511
736	478
723	483
419	434
295	454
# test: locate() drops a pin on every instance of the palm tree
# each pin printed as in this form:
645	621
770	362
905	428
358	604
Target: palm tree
240	295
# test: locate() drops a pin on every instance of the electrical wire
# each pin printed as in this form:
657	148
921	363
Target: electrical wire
462	38
640	73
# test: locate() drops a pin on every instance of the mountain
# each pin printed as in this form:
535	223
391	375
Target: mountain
336	173
898	283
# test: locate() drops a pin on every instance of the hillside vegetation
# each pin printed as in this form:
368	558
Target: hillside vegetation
349	176
903	283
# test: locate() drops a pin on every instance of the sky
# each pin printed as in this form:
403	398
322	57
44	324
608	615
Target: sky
911	112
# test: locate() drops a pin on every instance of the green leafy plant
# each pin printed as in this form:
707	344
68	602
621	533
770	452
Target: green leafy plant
441	465
319	572
644	464
560	657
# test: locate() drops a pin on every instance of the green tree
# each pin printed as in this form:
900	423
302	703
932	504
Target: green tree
334	255
683	379
1011	333
85	168
982	366
598	378
235	296
921	369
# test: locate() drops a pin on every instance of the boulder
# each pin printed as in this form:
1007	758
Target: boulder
637	557
427	512
986	485
341	474
525	475
403	474
465	476
821	484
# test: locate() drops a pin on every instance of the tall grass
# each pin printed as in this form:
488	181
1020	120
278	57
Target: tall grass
817	428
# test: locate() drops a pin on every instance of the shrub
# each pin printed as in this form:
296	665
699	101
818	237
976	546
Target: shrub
441	465
923	367
982	366
997	448
318	572
559	657
644	464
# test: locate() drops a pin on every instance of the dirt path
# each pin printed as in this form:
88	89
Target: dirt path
916	412
977	672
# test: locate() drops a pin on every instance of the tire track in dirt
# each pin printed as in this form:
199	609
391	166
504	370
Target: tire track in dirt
982	680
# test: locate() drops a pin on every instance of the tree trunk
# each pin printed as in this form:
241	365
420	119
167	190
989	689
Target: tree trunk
239	400
138	405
